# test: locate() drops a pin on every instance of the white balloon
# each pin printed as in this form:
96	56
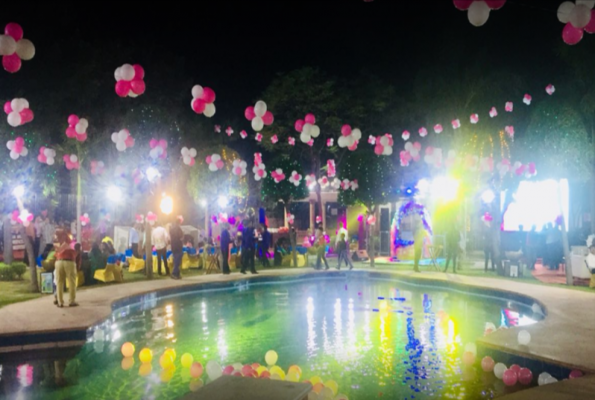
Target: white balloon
84	122
25	103
47	152
122	135
564	11
115	137
307	129
24	152
315	131
542	378
14	155
478	13
342	141
356	134
187	160
260	108
132	94
73	158
349	141
158	151
14	119
17	105
8	46
121	146
550	380
118	74
153	153
212	167
50	161
193	153
257	124
127	72
80	128
25	49
185	151
305	138
499	370
388	151
588	3
580	16
428	159
408	146
215	158
524	338
384	141
210	110
197	91
243	165
10	144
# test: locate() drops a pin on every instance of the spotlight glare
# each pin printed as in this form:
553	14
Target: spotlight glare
167	205
223	201
488	196
114	194
152	174
203	203
19	191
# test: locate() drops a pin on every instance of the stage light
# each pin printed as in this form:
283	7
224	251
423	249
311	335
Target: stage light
167	205
223	201
488	196
152	174
203	203
423	187
114	194
445	188
18	191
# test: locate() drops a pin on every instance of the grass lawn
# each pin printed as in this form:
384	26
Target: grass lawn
16	291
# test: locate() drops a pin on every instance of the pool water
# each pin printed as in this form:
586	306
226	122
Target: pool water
377	339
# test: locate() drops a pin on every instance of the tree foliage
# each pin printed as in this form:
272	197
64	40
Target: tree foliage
284	191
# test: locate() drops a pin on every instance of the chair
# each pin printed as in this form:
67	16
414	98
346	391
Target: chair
111	273
80	279
213	262
136	264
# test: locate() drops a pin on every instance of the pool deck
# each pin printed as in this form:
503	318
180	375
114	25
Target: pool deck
563	338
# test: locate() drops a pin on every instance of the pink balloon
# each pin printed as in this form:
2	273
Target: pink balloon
208	95
379	149
154	143
73	120
13	29
11	63
249	113
238	171
495	4
590	28
429	150
7	107
228	370
122	88
138	86
163	144
576	374
525	376
299	125
66	158
310	119
260	172
417	145
510	377
18	148
27	115
192	162
463	4
515	368
570	34
346	130
129	141
81	137
198	106
208	160
220	164
42	159
19	141
268	118
139	72
71	133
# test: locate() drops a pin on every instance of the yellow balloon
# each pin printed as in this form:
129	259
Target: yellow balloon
278	371
145	356
334	386
296	369
187	360
315	379
127	363
327	394
271	357
261	369
166	361
293	376
167	374
172	353
276	377
128	350
145	370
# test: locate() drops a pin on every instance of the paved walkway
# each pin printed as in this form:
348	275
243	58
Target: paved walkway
564	337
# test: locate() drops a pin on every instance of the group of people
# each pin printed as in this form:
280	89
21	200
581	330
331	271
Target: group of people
341	249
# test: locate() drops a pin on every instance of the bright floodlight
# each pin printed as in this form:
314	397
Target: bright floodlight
114	194
203	203
19	191
152	173
423	186
167	205
488	196
445	188
223	201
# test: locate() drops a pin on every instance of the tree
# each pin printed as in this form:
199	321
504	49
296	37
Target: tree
285	191
377	178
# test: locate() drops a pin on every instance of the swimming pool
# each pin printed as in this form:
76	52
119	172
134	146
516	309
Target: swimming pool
376	338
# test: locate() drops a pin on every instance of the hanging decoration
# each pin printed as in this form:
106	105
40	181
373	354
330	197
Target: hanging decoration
278	175
189	156
151	218
239	168
307	128
406	135
17	148
14	49
527	99
123	140
77	128
130	80
203	101
215	162
259	116
295	178
578	17
18	112
243	134
71	161
158	149
423	132
331	168
229	131
493	112
291	141
349	137
274	139
85	220
311	181
384	146
478	11
550	89
46	156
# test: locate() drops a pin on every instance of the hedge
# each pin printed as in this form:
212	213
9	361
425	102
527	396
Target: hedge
13	271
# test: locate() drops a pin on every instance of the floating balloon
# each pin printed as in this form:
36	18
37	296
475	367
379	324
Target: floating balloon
307	128
331	168
349	138
474	119
85	220
493	112
71	161
478	13
295	178
229	131
188	156
509	106
151	218
123	140
291	141
278	176
18	112
456	124
127	350
97	167
145	356
572	35
130	80
527	99
13	48
258	137
77	128
243	134
215	162
17	148
187	360
311	181
550	89
259	115
158	149
239	168
271	357
406	135
203	101
46	156
438	129
274	139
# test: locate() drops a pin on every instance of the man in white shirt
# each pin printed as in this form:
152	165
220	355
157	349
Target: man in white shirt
134	240
160	239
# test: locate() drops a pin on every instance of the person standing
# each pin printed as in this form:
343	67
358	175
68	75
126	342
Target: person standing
453	237
225	242
488	245
177	248
248	248
264	242
159	239
321	254
343	252
65	268
419	234
134	239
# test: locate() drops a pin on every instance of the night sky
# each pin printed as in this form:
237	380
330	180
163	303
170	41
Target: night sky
238	47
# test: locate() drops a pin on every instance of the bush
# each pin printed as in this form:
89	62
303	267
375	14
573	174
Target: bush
6	272
19	269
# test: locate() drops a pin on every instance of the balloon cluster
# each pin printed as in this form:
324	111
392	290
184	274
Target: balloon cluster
24	217
406	135
274	139
188	156
258	137
307	128
529	170
550	89
97	167
456	124
331	168
158	149
278	175
259	171
330	142
243	134
140	219
77	128
474	119
527	99
291	141
85	220
290	218
215	162
347	184
423	132
123	140
311	181
13	48
324	182
438	129
71	161
493	112
17	148
203	101
509	131
486	164
384	146
578	17
18	112
239	168
509	106
151	218
259	115
336	184
295	178
130	80
349	137
478	11
46	156
229	131
433	157
411	152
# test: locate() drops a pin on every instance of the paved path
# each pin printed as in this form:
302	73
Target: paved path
564	337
